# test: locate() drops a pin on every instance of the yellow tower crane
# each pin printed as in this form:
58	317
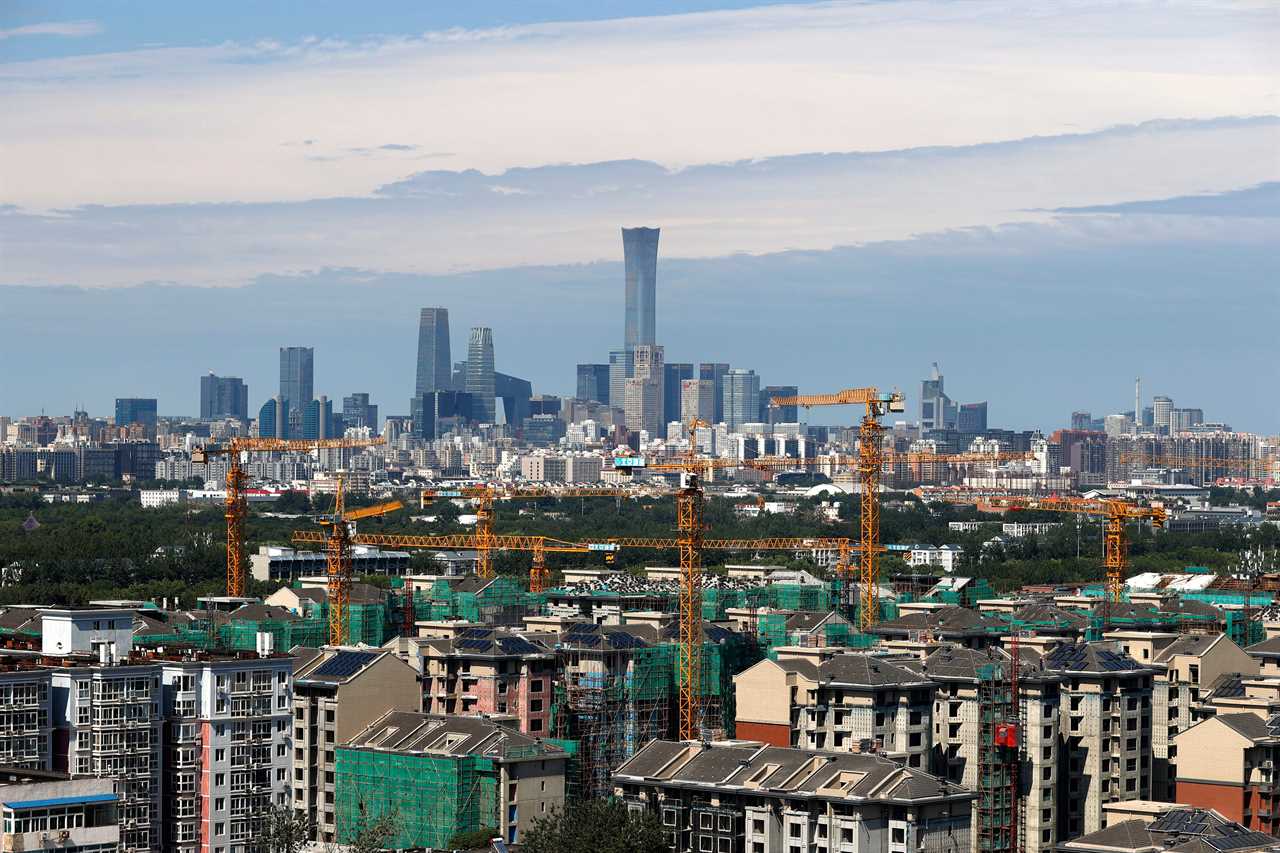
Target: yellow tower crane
870	461
338	560
236	508
1115	541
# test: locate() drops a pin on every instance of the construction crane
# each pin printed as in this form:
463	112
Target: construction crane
484	497
540	546
1115	512
236	508
1263	467
870	461
338	560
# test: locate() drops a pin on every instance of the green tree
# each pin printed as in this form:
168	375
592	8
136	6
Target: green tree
471	840
595	826
284	831
373	835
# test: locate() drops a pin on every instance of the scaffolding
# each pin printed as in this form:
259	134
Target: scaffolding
999	736
501	602
431	797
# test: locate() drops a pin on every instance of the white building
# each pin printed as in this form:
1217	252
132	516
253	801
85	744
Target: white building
153	498
946	556
1019	529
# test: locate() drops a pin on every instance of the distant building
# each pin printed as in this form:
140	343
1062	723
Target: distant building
644	400
136	410
771	414
593	382
1161	414
273	419
640	259
297	376
542	429
223	397
697	400
516	395
972	417
317	419
715	372
433	352
358	412
621	367
672	375
480	375
433	412
277	563
740	397
936	409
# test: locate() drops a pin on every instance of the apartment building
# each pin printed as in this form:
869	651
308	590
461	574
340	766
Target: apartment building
1184	666
337	692
958	672
750	797
444	776
1229	763
25	734
1105	724
841	702
489	671
1178	830
228	743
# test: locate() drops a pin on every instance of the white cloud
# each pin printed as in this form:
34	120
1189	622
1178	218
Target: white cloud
442	221
67	29
210	123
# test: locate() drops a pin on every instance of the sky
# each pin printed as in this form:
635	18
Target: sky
1047	198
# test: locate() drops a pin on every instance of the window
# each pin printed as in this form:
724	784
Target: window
219	829
899	835
794	830
704	844
725	823
669	817
535	705
704	821
725	845
757	826
535	725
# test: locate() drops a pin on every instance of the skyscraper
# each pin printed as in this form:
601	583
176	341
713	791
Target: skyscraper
297	377
972	417
715	372
640	256
317	418
223	397
434	365
936	409
273	419
593	382
643	405
515	394
480	378
673	374
740	397
697	400
621	367
1162	408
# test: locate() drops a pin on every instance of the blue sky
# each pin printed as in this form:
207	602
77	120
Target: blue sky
848	191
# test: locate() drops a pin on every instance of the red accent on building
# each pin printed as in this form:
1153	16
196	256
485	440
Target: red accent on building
774	734
1227	800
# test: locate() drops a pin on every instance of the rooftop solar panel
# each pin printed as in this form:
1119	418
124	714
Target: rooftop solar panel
344	664
516	646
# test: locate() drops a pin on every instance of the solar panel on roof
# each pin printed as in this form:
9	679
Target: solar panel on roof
344	664
477	633
588	640
473	644
625	641
516	646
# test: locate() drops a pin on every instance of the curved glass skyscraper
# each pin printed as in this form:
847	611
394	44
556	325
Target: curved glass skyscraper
480	378
434	364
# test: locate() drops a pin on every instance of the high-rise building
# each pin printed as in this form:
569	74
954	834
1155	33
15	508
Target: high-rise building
936	409
644	406
480	375
1162	410
434	364
640	256
317	418
297	376
1182	420
515	394
136	410
715	372
672	375
740	397
972	417
433	412
621	367
771	414
1081	420
593	382
697	400
223	397
357	411
273	419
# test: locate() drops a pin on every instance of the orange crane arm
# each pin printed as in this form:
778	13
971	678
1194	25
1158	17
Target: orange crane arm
371	511
847	397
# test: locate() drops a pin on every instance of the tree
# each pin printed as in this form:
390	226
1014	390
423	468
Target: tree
374	834
284	831
471	840
595	826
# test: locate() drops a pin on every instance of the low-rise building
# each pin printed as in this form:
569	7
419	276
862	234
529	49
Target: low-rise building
42	810
1228	762
1177	830
25	701
749	797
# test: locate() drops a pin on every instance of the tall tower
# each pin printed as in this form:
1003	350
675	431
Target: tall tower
640	255
1137	405
481	384
434	364
297	376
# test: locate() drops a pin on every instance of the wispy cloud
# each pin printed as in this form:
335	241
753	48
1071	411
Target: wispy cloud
66	29
675	90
